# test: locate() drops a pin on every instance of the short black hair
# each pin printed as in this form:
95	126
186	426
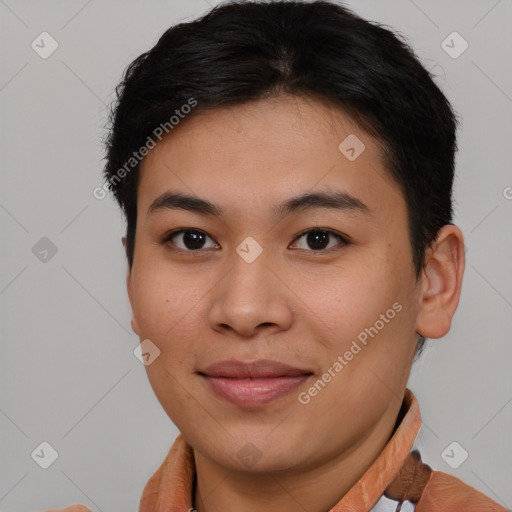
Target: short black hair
243	51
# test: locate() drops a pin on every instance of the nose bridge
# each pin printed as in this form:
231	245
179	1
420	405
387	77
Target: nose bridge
249	276
250	294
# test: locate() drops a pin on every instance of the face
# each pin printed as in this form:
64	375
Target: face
325	286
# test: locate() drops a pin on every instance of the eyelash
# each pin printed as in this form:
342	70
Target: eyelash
344	241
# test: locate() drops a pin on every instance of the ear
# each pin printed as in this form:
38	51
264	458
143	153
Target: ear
441	283
135	327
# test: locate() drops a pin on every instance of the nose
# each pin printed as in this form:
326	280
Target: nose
251	298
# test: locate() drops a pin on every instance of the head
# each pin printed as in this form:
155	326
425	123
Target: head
288	172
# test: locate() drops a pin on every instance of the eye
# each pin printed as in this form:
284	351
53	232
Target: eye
188	240
318	239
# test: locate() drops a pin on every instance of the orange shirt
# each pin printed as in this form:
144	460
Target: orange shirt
398	481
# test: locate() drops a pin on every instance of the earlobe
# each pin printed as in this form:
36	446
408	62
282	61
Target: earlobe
135	327
442	283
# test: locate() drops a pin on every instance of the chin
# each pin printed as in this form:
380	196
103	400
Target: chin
251	449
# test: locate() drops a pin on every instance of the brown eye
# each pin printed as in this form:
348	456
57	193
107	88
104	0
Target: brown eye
319	239
188	239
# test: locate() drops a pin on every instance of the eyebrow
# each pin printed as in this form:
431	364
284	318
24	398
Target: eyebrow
335	200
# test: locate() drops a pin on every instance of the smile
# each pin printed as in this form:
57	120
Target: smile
253	384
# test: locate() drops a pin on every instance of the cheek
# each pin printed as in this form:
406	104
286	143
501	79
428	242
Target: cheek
160	298
150	303
170	313
162	309
351	299
364	316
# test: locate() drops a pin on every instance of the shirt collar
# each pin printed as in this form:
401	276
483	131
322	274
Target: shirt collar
172	485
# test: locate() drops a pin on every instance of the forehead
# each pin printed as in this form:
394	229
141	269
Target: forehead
265	152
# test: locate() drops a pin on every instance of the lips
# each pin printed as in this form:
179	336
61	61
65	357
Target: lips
253	384
258	369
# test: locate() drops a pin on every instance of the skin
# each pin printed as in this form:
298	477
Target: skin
293	303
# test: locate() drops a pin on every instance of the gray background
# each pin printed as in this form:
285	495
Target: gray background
68	373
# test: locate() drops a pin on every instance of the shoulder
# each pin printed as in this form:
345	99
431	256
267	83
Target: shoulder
446	492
